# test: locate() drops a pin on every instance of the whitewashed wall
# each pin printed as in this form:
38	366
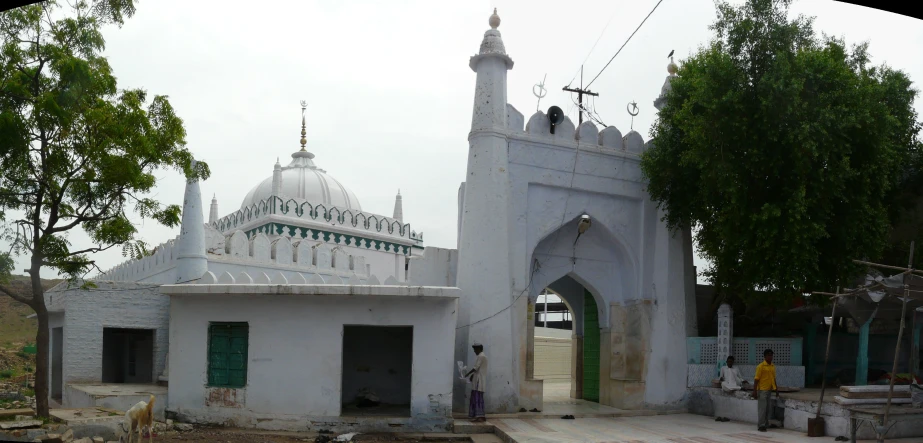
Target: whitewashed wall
295	355
437	267
109	305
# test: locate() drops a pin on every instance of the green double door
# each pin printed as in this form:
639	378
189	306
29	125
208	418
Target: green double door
590	348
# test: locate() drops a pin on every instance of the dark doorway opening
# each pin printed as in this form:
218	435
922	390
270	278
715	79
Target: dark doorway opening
128	355
57	364
377	370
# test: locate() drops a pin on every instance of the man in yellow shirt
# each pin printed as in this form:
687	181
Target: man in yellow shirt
764	384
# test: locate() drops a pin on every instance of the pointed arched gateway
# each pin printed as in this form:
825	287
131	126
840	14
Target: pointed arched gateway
524	191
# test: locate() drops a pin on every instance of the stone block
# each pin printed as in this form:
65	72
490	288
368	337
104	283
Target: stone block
20	424
52	438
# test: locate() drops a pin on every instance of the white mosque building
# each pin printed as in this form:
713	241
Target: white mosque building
299	307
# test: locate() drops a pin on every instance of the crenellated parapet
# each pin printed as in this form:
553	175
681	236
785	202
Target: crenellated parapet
566	133
327	257
291	208
162	257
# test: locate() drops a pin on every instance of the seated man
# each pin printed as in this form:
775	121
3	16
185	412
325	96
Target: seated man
731	380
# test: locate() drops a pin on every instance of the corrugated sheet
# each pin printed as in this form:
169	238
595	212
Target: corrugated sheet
552	358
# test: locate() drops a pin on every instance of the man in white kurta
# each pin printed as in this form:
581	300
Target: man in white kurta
731	380
478	377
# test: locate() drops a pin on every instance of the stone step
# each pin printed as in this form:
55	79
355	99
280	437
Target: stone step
22	424
466	427
546	416
14	412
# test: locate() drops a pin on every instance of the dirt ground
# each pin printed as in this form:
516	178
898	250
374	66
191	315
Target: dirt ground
225	436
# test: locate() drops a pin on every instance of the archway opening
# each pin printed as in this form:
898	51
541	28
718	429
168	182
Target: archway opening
553	349
566	342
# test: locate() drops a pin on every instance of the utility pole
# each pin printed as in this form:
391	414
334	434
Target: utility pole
580	93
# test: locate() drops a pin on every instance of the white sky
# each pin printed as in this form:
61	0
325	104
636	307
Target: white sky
389	89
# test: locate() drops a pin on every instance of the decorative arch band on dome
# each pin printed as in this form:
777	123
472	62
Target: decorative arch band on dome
320	212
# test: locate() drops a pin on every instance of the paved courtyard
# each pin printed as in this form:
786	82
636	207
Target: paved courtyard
680	428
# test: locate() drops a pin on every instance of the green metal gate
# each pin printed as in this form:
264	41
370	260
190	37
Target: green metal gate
590	348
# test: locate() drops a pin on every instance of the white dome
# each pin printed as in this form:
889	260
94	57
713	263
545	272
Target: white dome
303	181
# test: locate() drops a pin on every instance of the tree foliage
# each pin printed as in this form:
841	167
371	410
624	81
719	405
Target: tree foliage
785	151
76	152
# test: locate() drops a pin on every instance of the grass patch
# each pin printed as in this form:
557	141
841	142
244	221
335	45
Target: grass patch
7	373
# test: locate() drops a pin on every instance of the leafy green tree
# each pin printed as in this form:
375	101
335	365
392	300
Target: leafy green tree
785	151
76	152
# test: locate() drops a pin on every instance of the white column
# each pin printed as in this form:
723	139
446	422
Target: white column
725	333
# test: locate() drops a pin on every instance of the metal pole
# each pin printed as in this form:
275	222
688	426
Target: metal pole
900	334
546	309
823	381
580	96
914	347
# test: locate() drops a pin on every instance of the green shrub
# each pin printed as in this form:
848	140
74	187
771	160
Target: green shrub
6	374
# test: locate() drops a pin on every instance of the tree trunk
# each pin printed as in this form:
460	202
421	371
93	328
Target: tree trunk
41	363
41	345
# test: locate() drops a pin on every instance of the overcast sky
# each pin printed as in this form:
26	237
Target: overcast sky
389	89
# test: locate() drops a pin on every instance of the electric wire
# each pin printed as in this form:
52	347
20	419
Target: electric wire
535	270
594	47
623	44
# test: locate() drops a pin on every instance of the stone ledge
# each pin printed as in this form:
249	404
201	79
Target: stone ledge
309	289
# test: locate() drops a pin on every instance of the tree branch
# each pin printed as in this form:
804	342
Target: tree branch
82	217
12	294
56	203
90	250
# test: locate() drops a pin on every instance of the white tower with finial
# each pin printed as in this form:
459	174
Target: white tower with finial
661	101
689	271
191	261
213	210
398	207
491	64
483	275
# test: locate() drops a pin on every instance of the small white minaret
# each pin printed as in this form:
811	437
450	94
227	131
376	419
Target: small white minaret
661	100
213	211
191	261
491	64
483	275
277	179
692	328
398	208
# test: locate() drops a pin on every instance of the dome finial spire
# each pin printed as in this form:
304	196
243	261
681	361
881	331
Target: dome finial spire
304	133
494	20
